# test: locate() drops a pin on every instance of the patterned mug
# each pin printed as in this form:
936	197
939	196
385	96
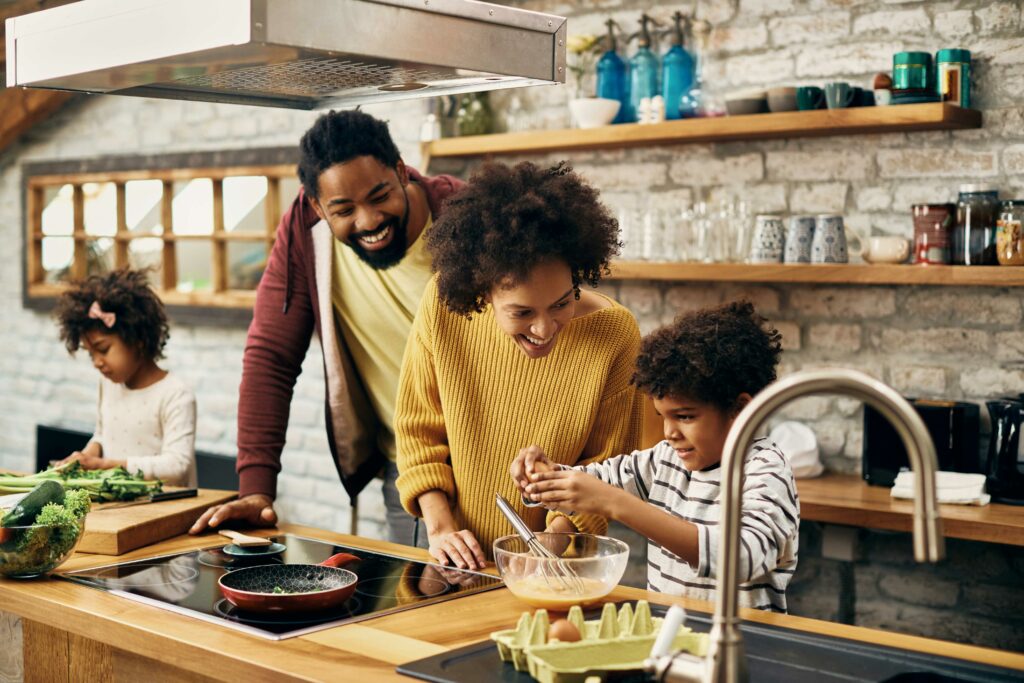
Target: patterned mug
769	236
829	243
798	240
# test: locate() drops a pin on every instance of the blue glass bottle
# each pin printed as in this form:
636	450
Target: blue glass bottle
677	70
611	74
643	70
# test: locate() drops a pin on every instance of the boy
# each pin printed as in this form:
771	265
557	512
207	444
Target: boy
700	371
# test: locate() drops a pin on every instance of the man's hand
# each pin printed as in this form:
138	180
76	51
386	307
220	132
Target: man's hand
572	491
255	509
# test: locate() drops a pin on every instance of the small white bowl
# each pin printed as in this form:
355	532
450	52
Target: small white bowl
593	112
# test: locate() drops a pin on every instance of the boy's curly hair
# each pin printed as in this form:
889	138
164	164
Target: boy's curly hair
340	136
712	356
509	219
141	321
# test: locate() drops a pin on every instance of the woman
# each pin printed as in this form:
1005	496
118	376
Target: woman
507	351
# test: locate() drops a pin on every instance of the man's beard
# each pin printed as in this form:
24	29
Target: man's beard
382	259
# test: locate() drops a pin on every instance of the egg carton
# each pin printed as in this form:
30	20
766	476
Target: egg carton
619	641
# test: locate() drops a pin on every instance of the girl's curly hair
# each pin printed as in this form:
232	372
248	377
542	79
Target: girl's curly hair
141	321
712	356
509	219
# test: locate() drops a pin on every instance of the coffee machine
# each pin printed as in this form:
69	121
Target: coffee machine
1004	469
954	428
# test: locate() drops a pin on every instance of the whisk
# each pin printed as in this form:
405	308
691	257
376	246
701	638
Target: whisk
554	569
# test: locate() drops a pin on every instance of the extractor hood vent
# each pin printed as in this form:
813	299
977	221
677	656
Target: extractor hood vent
302	54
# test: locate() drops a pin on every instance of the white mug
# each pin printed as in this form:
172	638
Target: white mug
884	249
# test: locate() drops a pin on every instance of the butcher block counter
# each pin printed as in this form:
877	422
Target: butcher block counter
72	632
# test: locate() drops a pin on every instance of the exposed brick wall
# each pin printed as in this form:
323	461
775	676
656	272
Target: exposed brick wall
954	342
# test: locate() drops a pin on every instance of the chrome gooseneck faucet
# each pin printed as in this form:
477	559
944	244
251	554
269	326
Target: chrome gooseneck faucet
726	660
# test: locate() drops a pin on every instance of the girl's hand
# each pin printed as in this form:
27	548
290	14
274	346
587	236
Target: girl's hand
459	548
572	491
92	462
530	461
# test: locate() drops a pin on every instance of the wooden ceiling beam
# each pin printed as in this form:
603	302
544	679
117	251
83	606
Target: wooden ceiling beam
22	108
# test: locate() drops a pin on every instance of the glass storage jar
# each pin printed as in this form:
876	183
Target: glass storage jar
973	241
1009	237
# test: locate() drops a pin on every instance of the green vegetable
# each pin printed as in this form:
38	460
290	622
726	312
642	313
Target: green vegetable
25	511
102	485
278	589
51	538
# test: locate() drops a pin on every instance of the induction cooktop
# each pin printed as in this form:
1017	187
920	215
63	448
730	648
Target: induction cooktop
186	583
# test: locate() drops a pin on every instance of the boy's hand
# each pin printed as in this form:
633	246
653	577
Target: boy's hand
572	491
530	461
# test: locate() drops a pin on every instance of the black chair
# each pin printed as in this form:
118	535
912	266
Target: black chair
54	443
216	471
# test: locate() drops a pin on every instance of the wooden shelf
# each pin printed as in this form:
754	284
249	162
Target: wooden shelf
819	123
842	274
847	499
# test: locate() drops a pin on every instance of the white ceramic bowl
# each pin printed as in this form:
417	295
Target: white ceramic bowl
782	99
593	112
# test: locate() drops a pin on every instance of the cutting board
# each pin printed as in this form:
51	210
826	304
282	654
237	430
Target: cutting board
116	530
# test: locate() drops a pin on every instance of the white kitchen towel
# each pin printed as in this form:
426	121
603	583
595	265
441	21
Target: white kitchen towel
951	487
11	500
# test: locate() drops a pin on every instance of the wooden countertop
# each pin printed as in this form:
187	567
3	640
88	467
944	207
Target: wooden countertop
849	500
365	651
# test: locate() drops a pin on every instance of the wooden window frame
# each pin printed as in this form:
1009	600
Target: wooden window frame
219	306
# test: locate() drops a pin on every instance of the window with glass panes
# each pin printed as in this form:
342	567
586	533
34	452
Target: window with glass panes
204	233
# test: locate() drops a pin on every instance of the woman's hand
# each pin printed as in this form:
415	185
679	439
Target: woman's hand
572	491
459	548
530	461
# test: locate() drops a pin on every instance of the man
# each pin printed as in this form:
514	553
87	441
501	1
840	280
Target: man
349	261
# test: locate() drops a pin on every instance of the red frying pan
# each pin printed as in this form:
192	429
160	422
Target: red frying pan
291	587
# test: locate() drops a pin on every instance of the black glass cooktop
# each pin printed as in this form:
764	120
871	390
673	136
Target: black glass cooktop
186	583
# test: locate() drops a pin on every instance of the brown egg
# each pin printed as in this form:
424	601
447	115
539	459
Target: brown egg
541	466
882	82
563	630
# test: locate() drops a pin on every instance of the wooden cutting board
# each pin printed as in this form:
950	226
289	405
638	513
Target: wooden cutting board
111	530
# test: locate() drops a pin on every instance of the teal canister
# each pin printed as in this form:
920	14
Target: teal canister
953	76
911	71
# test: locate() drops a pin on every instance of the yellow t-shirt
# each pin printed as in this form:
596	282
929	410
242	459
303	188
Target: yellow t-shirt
374	310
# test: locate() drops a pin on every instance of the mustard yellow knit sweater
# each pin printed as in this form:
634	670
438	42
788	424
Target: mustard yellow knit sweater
469	399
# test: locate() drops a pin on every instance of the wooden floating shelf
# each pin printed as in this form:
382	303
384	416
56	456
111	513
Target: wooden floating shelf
818	123
844	274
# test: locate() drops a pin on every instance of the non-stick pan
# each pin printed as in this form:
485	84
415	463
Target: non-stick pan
291	587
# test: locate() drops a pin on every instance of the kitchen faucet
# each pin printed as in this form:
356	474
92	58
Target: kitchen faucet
725	661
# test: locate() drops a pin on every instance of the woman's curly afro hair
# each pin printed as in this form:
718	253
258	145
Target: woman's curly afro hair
509	219
712	356
140	318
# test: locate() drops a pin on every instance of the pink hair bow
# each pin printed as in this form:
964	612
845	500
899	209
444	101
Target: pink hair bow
97	313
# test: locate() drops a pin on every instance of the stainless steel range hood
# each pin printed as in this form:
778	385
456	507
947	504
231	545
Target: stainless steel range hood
301	54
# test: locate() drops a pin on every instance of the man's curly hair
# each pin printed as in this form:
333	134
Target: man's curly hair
712	356
509	219
140	322
340	136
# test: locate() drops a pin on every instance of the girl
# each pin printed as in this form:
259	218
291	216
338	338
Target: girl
146	420
507	350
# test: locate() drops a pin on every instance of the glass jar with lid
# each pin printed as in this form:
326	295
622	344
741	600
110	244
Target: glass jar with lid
1009	236
973	241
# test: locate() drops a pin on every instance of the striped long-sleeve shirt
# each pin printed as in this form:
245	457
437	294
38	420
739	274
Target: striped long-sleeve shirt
769	530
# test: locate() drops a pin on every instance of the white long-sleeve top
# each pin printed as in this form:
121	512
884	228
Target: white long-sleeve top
769	529
153	429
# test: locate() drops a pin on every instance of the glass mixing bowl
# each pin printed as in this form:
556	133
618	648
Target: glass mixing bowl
597	561
30	551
